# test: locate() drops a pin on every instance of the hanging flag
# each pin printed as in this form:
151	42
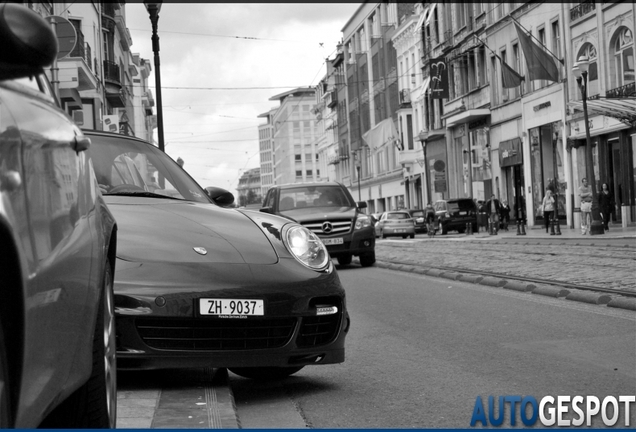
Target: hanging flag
509	76
540	64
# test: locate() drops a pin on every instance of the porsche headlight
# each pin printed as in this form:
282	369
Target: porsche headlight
306	247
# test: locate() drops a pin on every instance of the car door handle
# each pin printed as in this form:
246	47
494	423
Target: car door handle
81	143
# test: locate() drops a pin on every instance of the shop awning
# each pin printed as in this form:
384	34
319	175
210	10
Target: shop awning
72	98
621	109
466	116
381	134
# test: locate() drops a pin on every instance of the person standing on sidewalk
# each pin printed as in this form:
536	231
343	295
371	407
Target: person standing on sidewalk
606	204
548	208
505	215
585	193
493	207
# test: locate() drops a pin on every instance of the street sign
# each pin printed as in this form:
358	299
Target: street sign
66	34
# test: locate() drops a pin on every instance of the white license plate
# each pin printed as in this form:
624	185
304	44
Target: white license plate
332	241
419	220
231	307
462	213
399	230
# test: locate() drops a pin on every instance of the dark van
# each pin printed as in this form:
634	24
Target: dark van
454	214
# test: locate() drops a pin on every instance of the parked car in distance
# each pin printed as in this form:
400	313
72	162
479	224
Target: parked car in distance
396	224
454	214
419	218
201	284
330	212
57	248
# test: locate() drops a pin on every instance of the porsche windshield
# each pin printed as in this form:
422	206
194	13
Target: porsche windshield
125	166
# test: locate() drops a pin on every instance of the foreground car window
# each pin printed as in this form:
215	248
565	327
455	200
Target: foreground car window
131	167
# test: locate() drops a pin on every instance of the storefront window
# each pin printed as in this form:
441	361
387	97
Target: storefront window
480	164
546	159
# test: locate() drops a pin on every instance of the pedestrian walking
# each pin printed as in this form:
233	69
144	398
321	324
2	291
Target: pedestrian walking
548	208
493	208
585	193
606	205
505	215
430	219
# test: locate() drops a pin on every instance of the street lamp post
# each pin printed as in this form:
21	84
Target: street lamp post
153	9
580	71
556	229
428	178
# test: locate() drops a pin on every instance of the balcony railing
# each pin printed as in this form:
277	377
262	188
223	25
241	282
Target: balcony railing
622	92
581	10
111	71
78	51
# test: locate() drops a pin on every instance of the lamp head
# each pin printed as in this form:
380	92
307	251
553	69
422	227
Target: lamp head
153	6
581	67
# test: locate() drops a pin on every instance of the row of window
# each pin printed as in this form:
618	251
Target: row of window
308	173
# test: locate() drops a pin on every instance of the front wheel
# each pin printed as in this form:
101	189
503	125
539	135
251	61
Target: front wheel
412	236
265	373
367	260
94	404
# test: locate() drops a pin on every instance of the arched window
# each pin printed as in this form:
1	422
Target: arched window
624	57
589	51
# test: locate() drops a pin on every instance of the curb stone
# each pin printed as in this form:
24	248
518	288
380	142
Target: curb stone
623	303
551	291
589	297
519	286
493	281
545	290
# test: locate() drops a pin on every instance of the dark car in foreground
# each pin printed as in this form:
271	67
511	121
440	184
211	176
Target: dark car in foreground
200	284
395	224
57	249
329	211
455	214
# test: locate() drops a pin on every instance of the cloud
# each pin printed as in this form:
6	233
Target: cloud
231	46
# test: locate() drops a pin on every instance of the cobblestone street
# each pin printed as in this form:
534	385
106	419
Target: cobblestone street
569	261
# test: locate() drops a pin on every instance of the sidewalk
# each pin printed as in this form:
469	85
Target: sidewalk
538	232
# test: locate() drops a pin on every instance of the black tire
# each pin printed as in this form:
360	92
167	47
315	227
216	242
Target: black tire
94	404
404	236
382	234
6	421
344	259
266	373
367	260
412	236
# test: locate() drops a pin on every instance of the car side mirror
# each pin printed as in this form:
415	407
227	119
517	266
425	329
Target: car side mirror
220	196
362	204
28	42
269	210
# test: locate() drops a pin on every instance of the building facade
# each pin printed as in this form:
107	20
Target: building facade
295	137
266	150
249	188
98	80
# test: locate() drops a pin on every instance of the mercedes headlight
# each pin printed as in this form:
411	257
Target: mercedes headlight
363	222
306	247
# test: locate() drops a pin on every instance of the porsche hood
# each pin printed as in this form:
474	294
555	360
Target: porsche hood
160	230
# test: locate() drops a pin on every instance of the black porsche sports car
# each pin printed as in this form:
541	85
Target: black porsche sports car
200	284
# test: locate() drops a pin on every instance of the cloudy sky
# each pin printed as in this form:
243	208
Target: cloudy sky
220	64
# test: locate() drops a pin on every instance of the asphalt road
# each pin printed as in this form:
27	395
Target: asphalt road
422	349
